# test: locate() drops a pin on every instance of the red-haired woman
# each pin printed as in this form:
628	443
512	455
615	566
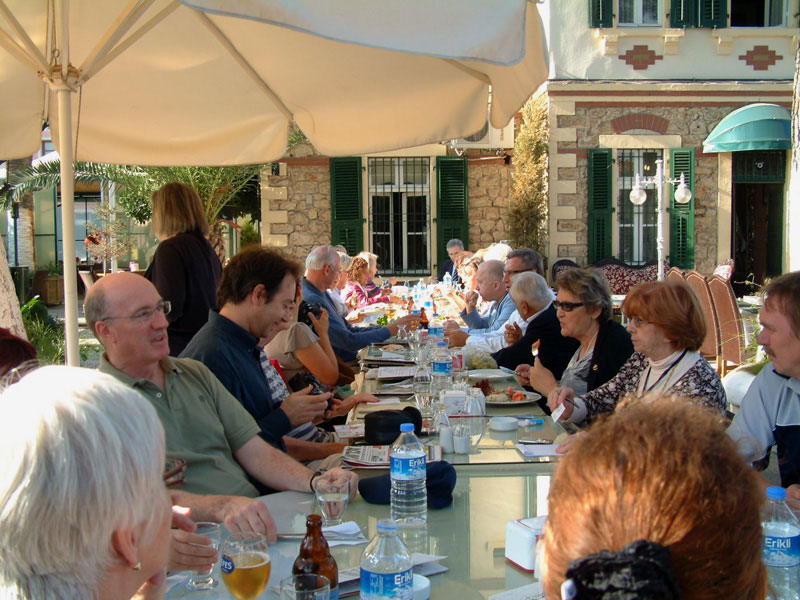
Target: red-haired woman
667	328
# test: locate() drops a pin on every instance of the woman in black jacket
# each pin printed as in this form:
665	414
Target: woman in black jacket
584	312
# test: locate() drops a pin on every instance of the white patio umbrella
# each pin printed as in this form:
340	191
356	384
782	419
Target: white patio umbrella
217	82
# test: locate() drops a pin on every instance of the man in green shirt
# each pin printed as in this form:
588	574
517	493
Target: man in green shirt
203	423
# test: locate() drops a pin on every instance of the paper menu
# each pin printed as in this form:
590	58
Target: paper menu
538	450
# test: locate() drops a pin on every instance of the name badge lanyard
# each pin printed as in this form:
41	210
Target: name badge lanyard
664	374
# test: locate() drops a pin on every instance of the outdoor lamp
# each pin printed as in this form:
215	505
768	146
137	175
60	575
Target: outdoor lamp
638	195
683	195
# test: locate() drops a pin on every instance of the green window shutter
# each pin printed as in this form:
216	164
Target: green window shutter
600	13
683	13
601	204
346	220
713	13
451	203
681	216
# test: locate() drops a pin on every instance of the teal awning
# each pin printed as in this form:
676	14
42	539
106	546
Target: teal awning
752	127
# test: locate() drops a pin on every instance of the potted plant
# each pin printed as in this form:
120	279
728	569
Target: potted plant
48	283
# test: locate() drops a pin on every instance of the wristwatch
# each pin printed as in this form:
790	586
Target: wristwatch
313	477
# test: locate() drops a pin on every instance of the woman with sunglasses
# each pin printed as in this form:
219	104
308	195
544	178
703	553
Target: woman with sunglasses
667	328
583	308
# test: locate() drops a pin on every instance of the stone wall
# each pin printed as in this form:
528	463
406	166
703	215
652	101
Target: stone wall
576	133
296	211
296	205
489	191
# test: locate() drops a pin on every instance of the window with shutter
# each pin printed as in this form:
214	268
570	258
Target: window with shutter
452	203
346	219
600	204
681	216
683	13
600	13
713	13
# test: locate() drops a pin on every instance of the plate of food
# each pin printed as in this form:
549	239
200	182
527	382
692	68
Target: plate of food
393	347
508	396
488	374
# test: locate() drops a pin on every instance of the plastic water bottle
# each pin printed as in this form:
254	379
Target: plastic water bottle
448	280
442	370
781	547
409	497
436	327
386	566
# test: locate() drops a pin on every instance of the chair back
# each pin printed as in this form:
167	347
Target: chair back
675	274
731	329
561	265
699	285
88	279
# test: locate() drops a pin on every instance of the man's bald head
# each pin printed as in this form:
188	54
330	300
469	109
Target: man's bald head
102	297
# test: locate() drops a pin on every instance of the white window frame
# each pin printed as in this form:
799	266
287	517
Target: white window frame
637	14
398	186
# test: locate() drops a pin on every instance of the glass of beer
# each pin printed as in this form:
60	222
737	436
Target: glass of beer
245	564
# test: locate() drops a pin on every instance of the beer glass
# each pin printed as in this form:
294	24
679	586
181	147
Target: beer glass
245	564
305	586
201	579
332	494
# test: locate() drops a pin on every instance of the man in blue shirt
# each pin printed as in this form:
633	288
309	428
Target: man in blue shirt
256	296
770	411
491	288
323	266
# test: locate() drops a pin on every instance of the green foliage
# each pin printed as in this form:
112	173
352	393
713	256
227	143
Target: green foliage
53	268
248	235
217	186
45	334
526	219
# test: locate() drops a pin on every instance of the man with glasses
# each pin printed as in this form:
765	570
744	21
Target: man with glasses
203	423
521	260
323	266
490	287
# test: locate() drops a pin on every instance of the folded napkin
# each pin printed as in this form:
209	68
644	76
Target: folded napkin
440	481
346	534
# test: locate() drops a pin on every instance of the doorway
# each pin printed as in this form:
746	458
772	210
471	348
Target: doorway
757	213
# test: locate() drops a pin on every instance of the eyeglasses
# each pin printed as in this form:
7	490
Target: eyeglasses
515	272
638	322
567	306
146	314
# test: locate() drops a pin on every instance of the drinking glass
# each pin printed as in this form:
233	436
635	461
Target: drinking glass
332	494
201	579
305	586
425	405
245	564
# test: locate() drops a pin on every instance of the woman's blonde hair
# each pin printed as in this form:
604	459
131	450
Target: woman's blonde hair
177	209
357	267
665	471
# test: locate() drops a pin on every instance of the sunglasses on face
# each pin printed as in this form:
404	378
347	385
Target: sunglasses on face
567	306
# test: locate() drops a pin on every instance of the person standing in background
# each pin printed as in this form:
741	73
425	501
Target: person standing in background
454	246
185	268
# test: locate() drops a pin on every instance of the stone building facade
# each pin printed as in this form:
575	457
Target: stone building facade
296	202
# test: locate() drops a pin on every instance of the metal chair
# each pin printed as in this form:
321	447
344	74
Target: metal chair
711	344
731	329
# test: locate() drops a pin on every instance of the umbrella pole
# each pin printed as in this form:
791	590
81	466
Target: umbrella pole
68	226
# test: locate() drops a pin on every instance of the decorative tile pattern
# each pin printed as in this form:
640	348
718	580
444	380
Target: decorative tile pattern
640	57
761	58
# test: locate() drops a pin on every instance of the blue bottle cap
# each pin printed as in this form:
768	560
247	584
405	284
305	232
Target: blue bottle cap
442	344
404	427
387	524
775	492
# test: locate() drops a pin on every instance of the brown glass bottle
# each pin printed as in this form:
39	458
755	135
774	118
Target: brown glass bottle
410	305
315	556
423	319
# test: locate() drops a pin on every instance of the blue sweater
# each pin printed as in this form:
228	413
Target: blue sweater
346	340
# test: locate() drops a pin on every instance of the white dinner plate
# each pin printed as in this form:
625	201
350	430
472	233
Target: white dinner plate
488	374
530	398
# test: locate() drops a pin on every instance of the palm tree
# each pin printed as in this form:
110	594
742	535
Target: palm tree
216	186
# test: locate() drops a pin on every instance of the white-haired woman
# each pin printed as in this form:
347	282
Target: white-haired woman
83	506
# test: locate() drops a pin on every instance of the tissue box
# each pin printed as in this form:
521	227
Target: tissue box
521	537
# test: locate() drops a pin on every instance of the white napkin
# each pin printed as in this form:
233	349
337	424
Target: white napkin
349	529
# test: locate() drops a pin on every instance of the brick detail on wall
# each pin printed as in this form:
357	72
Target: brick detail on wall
647	121
640	57
760	58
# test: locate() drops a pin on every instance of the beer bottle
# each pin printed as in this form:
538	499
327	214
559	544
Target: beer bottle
315	556
410	305
423	319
